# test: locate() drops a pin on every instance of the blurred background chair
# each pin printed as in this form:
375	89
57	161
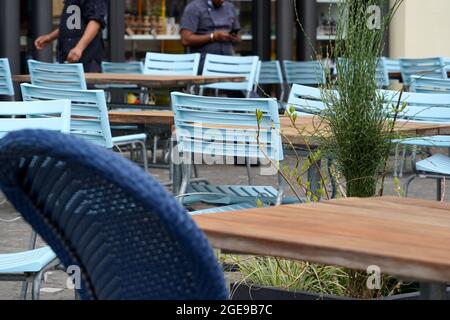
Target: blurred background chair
55	75
89	117
429	85
6	84
30	266
270	73
308	73
220	65
171	64
128	237
429	67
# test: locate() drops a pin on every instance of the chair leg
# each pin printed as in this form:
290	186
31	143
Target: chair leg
248	166
35	291
24	290
155	147
281	188
144	154
403	162
201	91
396	161
332	180
186	176
408	183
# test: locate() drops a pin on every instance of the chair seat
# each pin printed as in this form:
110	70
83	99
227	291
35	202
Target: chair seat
432	142
437	164
26	262
229	194
129	138
235	207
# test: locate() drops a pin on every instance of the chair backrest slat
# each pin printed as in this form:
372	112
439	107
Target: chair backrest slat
171	64
51	115
270	73
421	84
419	106
88	108
430	68
221	65
58	76
133	67
304	72
6	84
306	99
227	127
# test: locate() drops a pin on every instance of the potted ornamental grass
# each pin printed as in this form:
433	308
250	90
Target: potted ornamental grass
358	140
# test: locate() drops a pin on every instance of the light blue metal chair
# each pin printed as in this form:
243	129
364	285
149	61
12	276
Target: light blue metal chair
6	84
55	75
419	107
171	64
430	68
429	85
54	115
306	99
206	126
89	116
269	72
132	67
309	73
220	65
382	73
392	65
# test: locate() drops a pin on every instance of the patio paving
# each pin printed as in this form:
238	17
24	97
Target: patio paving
14	236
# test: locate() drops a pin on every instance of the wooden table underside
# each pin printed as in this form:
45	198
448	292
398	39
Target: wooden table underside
146	80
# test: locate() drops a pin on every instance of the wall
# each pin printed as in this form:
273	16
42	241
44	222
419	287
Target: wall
421	29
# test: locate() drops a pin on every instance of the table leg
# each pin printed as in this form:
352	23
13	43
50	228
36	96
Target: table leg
314	177
438	189
433	291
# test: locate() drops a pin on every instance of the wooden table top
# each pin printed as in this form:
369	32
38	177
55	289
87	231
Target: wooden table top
407	238
308	125
149	81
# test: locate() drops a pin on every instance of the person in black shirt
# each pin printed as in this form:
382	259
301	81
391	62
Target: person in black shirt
79	34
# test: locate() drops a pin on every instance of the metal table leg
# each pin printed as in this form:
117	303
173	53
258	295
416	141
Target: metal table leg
433	291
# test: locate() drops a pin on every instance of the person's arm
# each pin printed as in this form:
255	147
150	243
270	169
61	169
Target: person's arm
236	38
43	41
92	29
190	39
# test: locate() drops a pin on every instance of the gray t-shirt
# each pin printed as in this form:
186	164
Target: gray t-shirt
201	17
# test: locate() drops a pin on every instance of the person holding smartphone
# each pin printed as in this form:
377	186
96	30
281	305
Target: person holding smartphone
210	26
79	34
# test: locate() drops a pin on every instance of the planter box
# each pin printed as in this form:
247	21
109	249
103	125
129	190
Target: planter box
245	292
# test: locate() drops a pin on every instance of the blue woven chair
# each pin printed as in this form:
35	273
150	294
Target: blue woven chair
220	65
101	213
89	116
55	75
172	64
309	73
430	68
6	84
29	266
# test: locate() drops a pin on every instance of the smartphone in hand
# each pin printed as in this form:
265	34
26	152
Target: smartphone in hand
234	32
